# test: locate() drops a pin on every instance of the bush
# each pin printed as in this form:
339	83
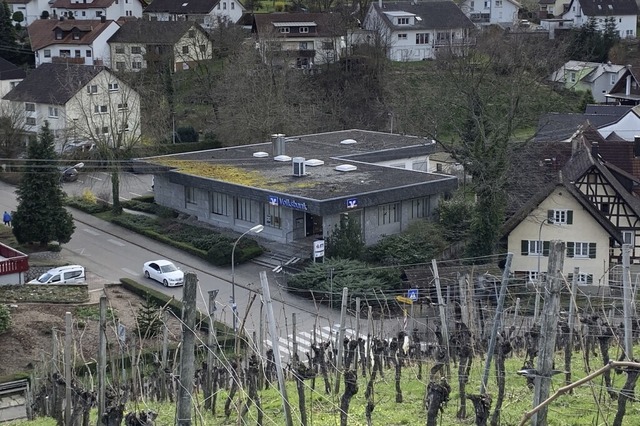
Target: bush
5	319
87	207
187	134
149	207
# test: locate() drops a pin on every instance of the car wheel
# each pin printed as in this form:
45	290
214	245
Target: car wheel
165	283
146	274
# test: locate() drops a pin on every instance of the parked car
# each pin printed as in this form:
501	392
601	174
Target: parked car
164	272
68	174
70	274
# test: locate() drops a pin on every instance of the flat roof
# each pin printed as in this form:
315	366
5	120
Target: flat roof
238	166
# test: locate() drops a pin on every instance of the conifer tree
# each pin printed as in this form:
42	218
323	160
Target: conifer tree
149	319
8	40
41	216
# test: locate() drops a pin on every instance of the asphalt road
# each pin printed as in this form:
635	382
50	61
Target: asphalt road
110	252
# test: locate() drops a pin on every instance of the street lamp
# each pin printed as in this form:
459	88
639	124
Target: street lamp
255	230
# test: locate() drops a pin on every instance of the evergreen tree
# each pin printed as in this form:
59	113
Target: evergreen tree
8	37
345	241
149	319
41	216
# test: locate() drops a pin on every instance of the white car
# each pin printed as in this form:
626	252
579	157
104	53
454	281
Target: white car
164	272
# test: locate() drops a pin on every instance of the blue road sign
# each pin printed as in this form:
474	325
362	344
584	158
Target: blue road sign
413	294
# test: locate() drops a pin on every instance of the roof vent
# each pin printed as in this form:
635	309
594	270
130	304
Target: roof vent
314	162
260	154
282	158
278	144
348	142
346	168
298	166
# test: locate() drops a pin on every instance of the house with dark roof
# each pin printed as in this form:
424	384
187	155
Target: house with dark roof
562	127
488	12
80	42
10	76
82	103
143	44
208	13
626	127
299	188
591	77
96	9
590	206
416	31
298	40
622	13
626	91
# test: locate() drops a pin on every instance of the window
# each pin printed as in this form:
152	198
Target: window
388	213
76	35
136	65
203	48
560	217
192	34
123	107
327	45
472	5
243	209
30	107
581	249
113	87
78	53
402	36
98	13
218	204
31	121
233	5
304	30
119	66
92	89
486	5
614	78
120	49
47	53
59	35
99	109
582	278
629	33
422	38
104	130
53	112
419	208
534	248
628	237
65	53
284	30
185	50
498	3
303	45
136	50
128	13
605	207
87	53
442	36
272	216
84	13
190	195
123	128
572	77
403	21
224	5
218	6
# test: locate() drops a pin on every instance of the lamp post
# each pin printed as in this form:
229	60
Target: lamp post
538	281
256	230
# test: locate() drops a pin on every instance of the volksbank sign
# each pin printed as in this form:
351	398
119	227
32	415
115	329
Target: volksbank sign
287	202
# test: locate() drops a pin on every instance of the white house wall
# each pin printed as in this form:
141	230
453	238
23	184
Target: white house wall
229	10
119	8
584	229
625	25
627	127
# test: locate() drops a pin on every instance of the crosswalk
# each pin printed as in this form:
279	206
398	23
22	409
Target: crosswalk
305	339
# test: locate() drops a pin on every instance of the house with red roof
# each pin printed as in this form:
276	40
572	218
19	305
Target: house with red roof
96	9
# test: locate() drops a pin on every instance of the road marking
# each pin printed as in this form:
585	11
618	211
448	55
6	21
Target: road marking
118	243
91	231
93	177
130	272
135	195
125	199
81	252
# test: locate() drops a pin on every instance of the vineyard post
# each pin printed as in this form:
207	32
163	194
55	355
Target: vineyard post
443	319
294	342
187	355
572	323
355	356
102	358
497	323
164	361
628	309
266	294
550	312
343	314
67	368
211	341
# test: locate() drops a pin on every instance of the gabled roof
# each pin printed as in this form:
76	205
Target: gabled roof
432	14
42	31
53	83
619	89
556	126
603	109
153	32
607	7
182	6
596	69
268	23
9	71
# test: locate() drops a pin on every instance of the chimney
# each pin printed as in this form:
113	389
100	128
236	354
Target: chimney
594	149
636	146
61	18
103	19
278	144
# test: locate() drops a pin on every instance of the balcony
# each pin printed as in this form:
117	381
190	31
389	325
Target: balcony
12	261
67	60
456	42
480	18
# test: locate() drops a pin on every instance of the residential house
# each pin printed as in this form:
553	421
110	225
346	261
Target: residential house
13	266
31	9
82	42
298	40
626	91
590	206
563	127
10	76
96	9
208	13
626	127
592	77
487	12
622	13
417	31
82	103
142	44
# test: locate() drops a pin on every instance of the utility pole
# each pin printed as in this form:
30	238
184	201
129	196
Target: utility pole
497	323
628	308
343	314
550	312
102	358
187	355
266	294
67	368
443	317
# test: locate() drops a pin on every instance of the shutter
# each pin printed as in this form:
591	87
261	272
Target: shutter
592	250
589	279
569	217
524	247
570	277
545	248
570	249
550	216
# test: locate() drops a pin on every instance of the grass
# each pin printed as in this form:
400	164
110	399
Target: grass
44	293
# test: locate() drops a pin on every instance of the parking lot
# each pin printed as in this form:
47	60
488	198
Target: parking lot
99	183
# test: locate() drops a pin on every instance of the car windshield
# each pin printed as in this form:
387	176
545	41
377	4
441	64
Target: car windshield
44	277
168	268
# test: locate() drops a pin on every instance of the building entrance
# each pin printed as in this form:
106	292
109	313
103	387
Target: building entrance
313	224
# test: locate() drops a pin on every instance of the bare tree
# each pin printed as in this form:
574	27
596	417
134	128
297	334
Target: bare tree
12	130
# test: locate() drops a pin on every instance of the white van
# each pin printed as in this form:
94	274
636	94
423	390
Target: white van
70	274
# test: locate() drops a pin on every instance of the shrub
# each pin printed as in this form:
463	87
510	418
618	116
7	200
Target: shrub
455	217
187	134
54	247
89	197
91	208
5	319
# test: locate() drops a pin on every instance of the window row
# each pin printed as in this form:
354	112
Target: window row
579	249
92	89
532	276
66	53
232	5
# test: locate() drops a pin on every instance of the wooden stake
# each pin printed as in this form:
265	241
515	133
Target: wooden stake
187	354
102	358
571	324
343	314
627	307
443	319
67	368
355	356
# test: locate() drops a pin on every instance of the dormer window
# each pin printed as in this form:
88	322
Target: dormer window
285	30
403	21
76	35
58	34
304	30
